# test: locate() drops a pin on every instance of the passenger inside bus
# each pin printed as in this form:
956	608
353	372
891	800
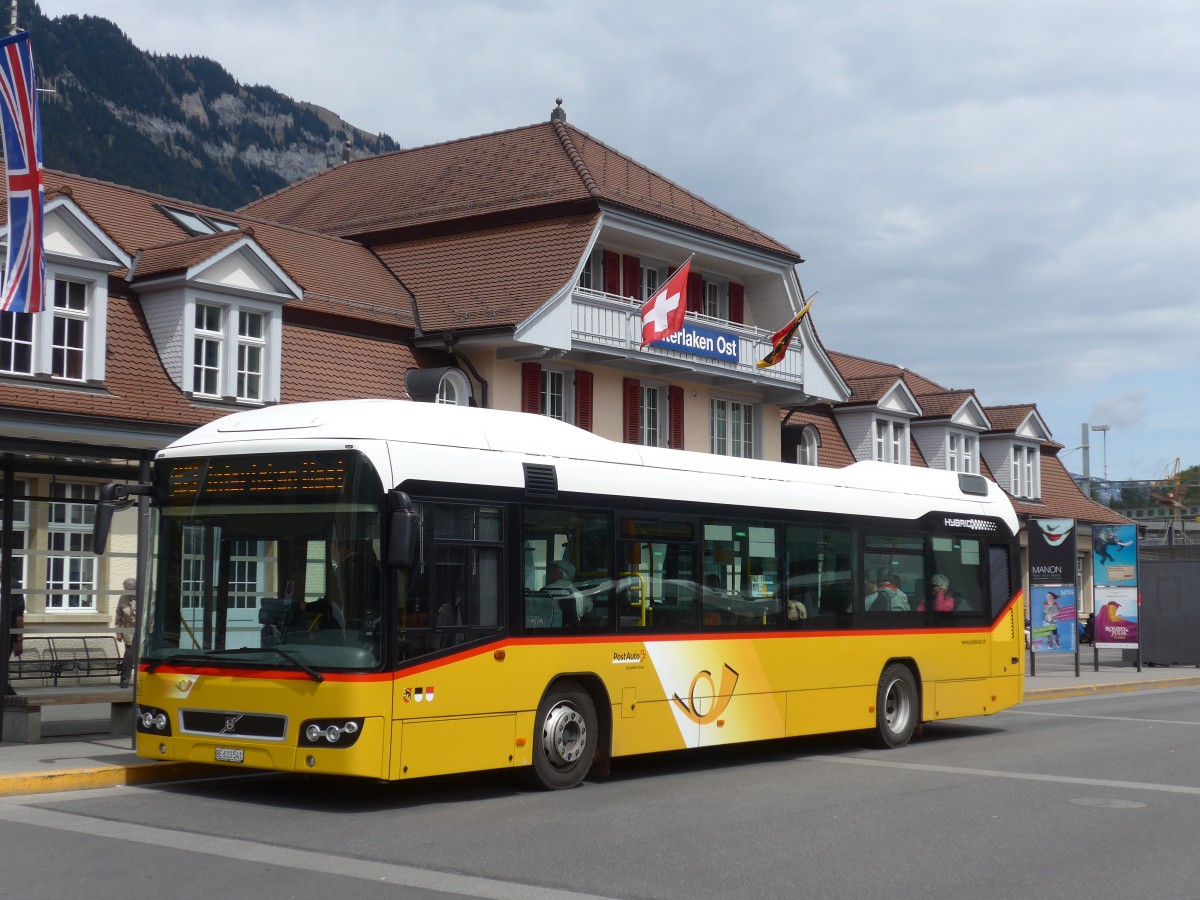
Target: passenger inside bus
942	601
887	597
560	585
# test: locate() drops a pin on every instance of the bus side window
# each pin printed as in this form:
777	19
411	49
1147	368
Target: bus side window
567	569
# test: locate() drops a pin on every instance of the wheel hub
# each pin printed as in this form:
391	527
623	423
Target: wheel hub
564	735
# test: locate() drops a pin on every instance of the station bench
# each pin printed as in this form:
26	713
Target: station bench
50	658
23	712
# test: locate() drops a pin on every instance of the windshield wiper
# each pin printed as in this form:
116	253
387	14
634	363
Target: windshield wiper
238	651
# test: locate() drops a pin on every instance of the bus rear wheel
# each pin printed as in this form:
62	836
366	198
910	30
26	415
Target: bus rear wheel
564	744
896	707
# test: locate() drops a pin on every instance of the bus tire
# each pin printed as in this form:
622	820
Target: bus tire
566	735
897	709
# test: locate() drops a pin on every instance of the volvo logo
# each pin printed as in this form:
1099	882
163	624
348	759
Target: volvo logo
230	725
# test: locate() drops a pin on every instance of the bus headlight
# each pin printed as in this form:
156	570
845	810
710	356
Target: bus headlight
338	733
152	721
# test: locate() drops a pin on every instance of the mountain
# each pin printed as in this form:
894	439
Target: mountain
178	126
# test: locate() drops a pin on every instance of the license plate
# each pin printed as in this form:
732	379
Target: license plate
228	754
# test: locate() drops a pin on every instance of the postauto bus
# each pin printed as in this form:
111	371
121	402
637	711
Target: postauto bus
393	590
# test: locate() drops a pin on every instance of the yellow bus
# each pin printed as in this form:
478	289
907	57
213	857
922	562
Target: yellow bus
394	590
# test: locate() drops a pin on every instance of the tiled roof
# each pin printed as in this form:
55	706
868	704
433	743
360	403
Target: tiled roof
870	390
490	278
860	367
183	254
338	274
1008	418
834	453
518	174
942	405
325	365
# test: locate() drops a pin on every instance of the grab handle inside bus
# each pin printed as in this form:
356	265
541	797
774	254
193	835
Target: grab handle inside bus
112	498
402	531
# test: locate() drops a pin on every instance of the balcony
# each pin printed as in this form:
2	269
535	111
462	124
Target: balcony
722	353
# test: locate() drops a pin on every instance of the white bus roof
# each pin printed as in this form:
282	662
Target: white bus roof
439	442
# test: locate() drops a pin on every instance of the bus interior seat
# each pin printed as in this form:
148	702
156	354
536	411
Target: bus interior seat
542	611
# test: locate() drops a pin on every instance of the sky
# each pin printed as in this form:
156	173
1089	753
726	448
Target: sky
999	196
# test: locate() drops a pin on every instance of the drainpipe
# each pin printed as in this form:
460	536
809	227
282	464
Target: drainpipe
449	339
411	296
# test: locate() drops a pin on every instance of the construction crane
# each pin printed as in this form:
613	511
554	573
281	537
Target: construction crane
1171	496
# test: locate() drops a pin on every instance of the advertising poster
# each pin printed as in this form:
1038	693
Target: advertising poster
1114	555
1051	551
1116	617
1053	627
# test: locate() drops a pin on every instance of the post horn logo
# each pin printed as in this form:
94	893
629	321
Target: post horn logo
720	699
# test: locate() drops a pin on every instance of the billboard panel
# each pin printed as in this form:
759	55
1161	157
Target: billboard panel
1051	551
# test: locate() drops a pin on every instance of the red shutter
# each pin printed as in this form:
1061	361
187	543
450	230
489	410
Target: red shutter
632	409
612	272
531	387
675	415
737	303
583	399
695	292
632	267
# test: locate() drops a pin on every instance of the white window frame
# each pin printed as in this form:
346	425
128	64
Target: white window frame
203	337
233	349
251	355
654	426
591	278
1024	477
453	389
808	447
70	563
35	333
69	325
650	280
962	452
715	303
17	335
725	438
890	440
558	384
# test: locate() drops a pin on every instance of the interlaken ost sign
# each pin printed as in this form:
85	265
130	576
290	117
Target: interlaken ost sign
702	342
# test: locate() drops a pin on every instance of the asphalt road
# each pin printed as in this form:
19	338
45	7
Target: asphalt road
1091	797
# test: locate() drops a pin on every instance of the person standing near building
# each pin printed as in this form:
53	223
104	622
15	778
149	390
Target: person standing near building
126	623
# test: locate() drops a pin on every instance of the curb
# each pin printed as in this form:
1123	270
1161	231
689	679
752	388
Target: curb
101	777
1085	690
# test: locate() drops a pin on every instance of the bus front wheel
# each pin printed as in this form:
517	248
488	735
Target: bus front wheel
567	734
896	707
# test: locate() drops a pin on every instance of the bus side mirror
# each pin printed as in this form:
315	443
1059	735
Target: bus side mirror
402	532
112	498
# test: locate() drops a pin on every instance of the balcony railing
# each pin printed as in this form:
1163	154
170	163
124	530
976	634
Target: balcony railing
608	322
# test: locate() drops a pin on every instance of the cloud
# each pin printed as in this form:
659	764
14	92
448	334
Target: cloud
1004	197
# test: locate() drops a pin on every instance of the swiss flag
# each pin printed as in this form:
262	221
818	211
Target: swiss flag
662	315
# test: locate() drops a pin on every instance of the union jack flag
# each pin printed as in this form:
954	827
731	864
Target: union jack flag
25	272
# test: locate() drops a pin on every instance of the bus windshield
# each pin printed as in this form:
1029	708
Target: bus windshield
270	560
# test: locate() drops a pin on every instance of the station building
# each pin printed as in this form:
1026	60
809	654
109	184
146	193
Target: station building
506	270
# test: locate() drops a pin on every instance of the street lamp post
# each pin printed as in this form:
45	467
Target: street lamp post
1104	429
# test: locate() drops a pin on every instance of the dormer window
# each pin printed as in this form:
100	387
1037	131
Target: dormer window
806	450
962	453
1024	473
891	441
68	340
61	342
230	352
